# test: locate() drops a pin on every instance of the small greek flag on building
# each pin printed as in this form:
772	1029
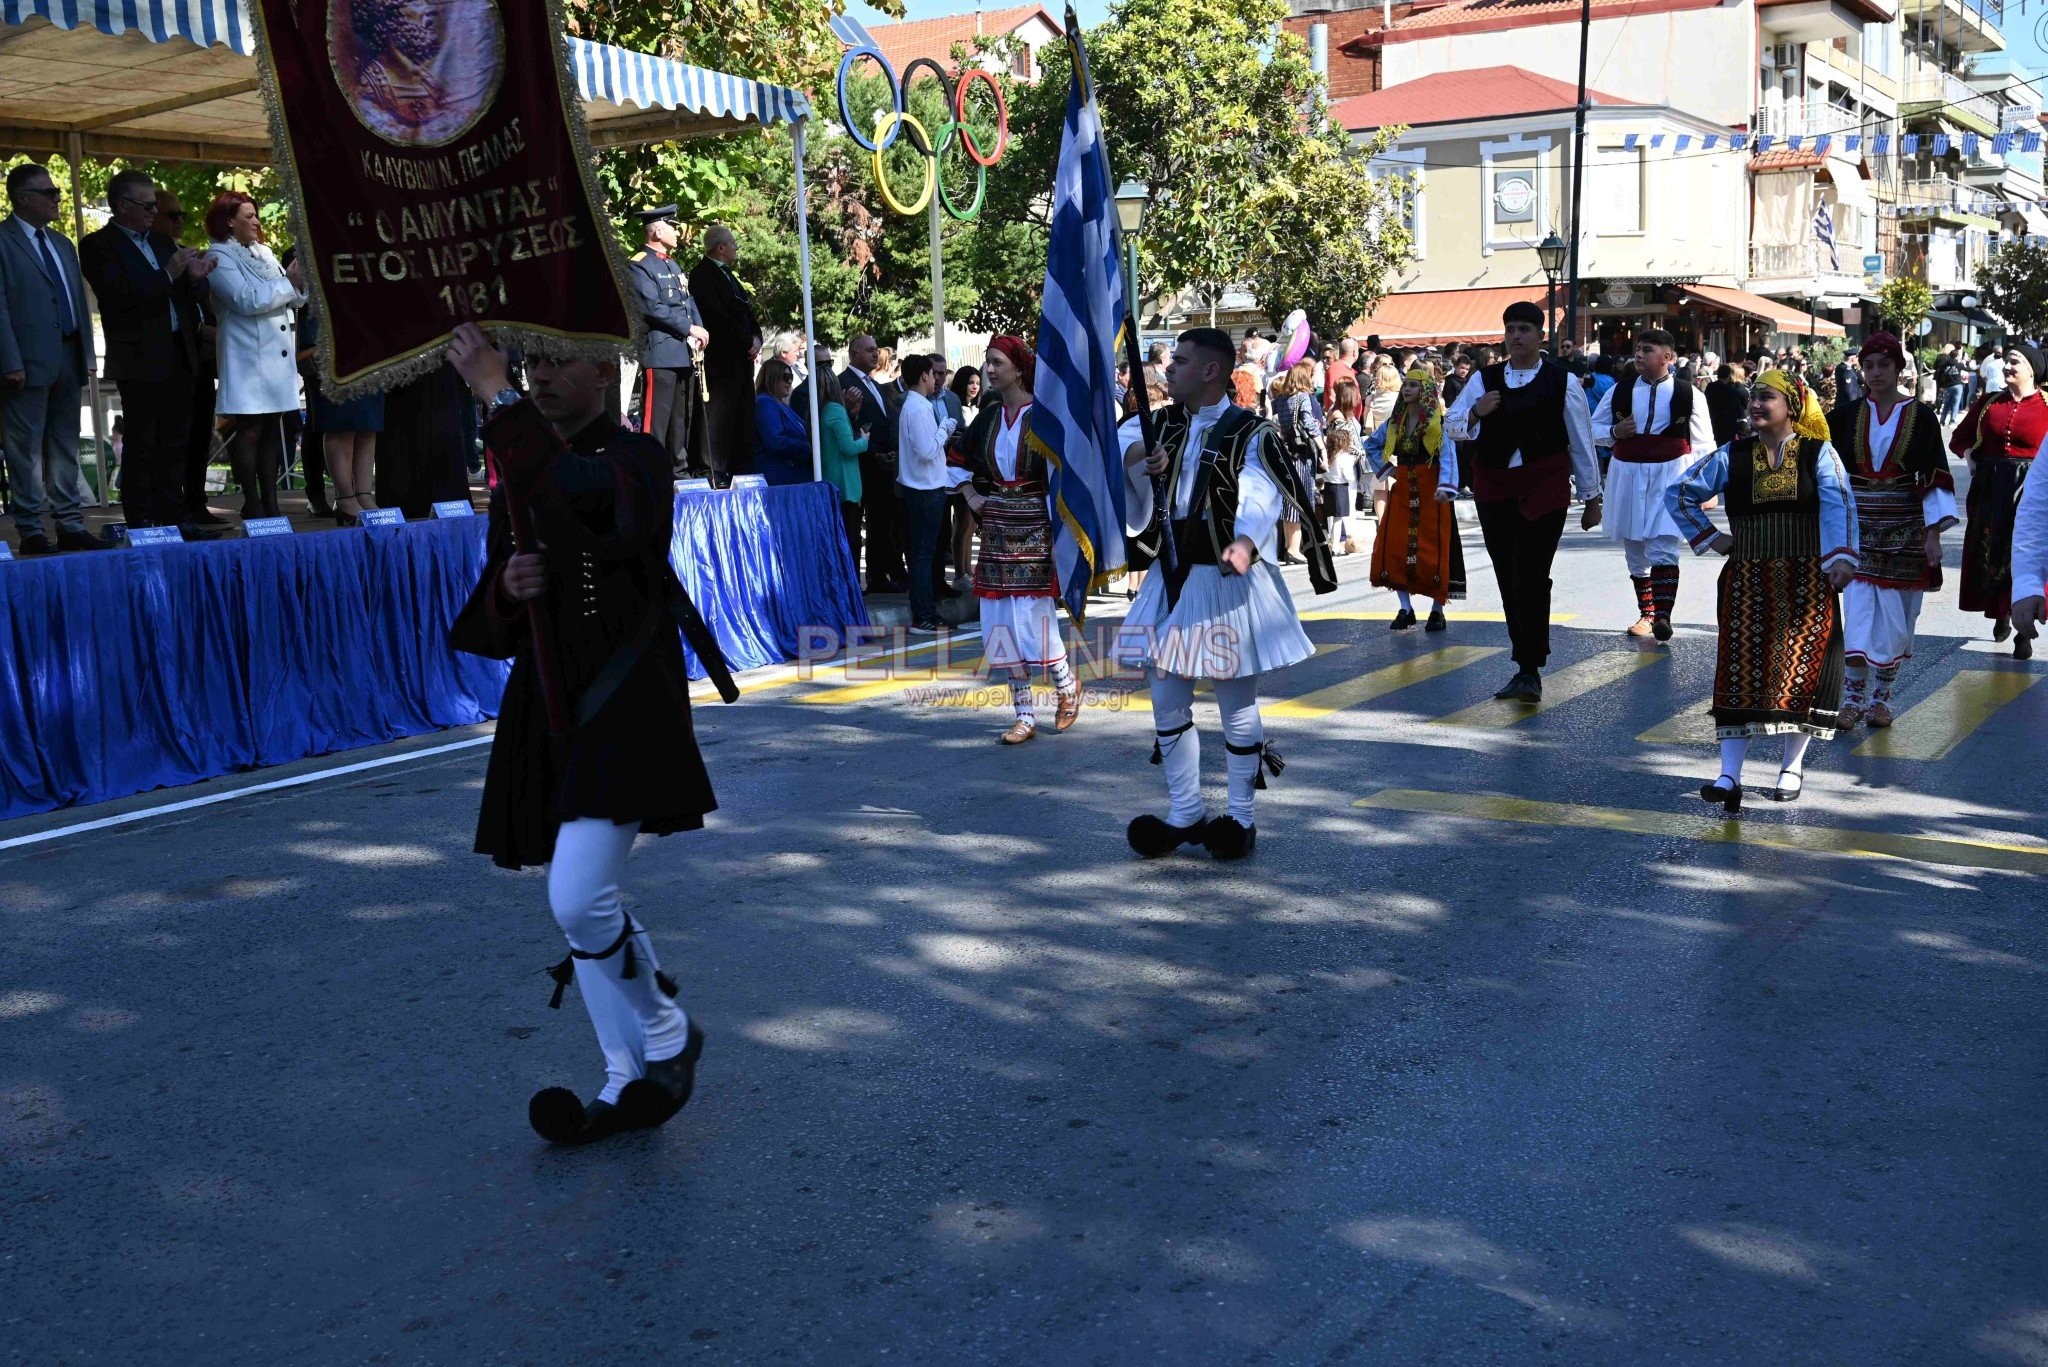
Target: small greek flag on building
1824	233
1073	412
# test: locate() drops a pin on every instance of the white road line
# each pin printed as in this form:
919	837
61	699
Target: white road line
297	781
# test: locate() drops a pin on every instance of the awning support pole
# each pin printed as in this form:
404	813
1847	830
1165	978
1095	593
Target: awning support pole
74	157
803	255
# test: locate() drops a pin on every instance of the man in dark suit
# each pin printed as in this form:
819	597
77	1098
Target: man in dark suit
170	220
144	283
669	410
45	353
727	308
881	505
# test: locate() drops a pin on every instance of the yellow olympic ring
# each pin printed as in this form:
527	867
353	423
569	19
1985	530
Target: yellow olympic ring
885	124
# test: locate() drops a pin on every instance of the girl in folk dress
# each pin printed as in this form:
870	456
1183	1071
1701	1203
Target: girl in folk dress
1791	547
2001	435
1415	547
1008	494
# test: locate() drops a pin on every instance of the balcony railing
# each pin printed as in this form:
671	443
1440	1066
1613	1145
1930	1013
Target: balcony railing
1802	260
1927	85
1947	193
1805	118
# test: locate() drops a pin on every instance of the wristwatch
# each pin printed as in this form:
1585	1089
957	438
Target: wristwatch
503	399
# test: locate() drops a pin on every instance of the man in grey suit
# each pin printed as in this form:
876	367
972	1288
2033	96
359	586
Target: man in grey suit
45	352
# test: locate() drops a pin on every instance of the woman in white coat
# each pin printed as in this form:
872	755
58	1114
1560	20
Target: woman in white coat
254	299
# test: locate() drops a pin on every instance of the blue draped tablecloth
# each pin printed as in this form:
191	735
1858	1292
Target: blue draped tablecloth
122	671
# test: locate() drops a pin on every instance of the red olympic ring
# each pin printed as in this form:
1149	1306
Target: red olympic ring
967	78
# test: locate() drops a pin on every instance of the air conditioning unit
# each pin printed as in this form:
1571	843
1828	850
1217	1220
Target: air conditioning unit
1784	56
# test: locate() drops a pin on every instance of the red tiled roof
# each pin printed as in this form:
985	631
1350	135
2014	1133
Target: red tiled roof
1476	16
1444	315
934	38
1785	159
1493	92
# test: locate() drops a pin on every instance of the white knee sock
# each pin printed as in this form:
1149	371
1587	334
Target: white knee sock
1855	680
634	1019
1062	674
1406	604
1733	752
1243	732
1795	752
1020	696
1179	747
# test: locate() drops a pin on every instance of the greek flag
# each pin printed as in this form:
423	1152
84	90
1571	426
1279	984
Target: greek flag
1073	414
1824	233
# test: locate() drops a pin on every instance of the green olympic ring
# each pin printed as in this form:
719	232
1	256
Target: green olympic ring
896	120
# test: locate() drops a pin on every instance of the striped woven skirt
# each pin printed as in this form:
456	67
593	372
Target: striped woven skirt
1779	667
1016	545
1415	546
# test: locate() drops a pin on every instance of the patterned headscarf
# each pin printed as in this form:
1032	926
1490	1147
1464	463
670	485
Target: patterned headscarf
1019	355
1807	418
1427	402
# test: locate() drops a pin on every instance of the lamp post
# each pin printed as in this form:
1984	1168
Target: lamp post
1550	253
1132	199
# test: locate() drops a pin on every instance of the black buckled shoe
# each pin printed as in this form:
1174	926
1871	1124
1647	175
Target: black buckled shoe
651	1101
1403	620
558	1117
1228	840
1151	837
1436	620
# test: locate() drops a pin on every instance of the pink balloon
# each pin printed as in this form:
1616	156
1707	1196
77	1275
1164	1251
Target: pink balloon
1296	326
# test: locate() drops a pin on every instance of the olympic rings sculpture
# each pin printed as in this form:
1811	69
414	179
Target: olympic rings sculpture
892	122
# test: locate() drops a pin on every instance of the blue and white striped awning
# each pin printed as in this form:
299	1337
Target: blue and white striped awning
606	73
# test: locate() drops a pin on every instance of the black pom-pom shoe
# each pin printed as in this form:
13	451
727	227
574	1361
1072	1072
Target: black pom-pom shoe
1230	840
653	1100
1152	837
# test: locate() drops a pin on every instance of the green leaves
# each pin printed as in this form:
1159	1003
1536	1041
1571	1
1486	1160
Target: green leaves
1905	301
2014	283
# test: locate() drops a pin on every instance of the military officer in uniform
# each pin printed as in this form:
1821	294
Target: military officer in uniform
671	407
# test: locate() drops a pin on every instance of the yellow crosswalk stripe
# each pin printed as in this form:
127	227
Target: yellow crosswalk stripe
1380	682
1940	722
943	668
1694	726
1573	681
1919	849
1206	686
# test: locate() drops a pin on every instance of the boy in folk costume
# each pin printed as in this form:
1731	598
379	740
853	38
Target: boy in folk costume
579	613
1223	613
1522	435
1004	482
1905	498
1791	547
1415	545
1657	425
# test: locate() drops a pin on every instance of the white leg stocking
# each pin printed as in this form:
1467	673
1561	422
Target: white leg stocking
1244	734
1733	752
1179	747
634	1019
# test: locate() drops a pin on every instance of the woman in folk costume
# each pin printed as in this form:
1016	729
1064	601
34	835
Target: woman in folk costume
1014	580
1415	547
2001	435
1791	547
1905	498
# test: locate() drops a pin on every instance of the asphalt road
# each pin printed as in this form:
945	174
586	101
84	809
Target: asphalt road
1526	1060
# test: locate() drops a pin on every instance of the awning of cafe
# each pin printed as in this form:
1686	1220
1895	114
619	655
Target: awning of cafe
1427	317
175	80
1781	317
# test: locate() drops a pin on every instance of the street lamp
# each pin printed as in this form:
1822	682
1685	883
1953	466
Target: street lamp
1132	199
1550	253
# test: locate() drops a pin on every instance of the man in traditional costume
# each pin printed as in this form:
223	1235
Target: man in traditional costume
2001	435
1415	545
1004	481
1527	436
594	743
1905	499
1657	424
1791	547
1221	612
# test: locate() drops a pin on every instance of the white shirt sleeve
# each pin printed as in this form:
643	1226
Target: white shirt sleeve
1838	530
1701	430
1938	507
1459	424
1578	425
1603	418
2030	541
1137	484
1259	502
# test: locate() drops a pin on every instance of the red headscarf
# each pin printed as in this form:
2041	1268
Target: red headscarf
1883	344
1018	355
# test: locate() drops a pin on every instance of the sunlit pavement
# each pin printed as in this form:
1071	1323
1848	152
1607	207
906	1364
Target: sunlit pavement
1503	1047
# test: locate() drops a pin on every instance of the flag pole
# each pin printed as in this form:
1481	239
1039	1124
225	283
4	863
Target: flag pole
1169	554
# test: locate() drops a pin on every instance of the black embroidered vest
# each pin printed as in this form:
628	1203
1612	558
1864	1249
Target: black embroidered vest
1529	419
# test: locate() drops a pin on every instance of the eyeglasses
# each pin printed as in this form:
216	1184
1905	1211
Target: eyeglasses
46	191
144	205
178	214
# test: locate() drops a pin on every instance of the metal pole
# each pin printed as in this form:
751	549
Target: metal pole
1550	310
74	155
938	273
803	256
1131	282
1571	299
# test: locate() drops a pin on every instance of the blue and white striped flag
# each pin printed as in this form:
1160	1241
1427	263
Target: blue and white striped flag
1073	413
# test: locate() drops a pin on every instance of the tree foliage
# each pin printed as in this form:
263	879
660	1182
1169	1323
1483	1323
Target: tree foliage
1214	108
2015	287
1905	301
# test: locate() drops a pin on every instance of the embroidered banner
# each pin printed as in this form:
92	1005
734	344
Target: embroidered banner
439	172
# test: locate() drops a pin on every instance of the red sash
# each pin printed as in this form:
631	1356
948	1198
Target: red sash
1537	487
1642	450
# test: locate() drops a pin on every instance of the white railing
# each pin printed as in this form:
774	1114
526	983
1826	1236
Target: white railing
1805	118
1947	193
1925	84
1802	260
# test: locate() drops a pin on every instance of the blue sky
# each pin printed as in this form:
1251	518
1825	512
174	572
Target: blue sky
1091	11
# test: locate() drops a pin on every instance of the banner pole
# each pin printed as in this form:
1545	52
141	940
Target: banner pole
938	274
803	252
